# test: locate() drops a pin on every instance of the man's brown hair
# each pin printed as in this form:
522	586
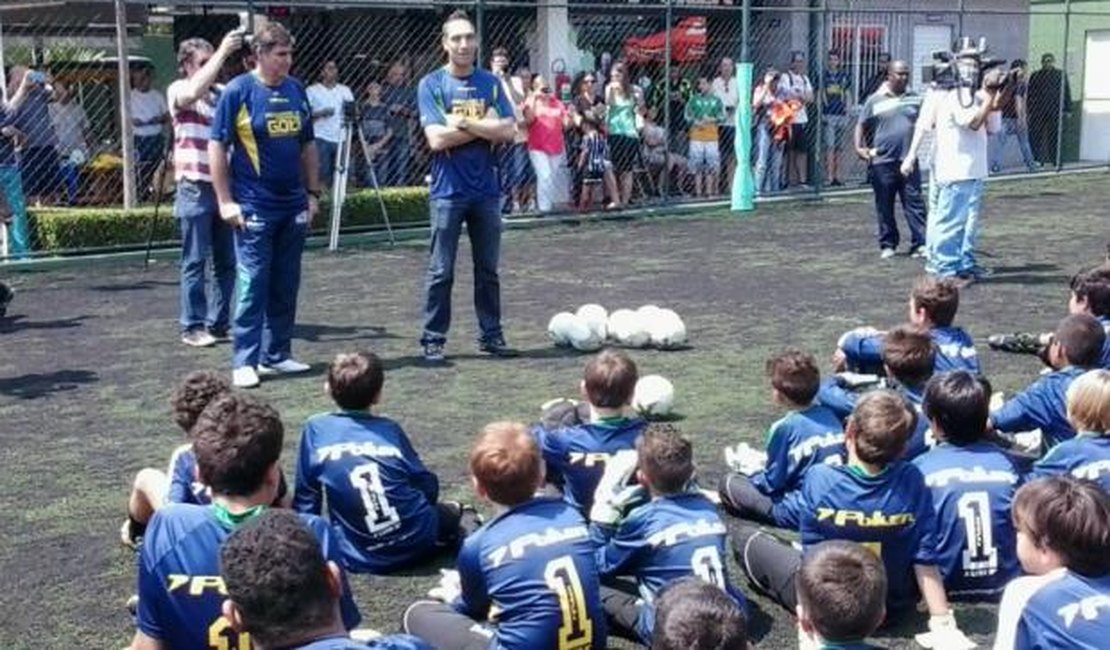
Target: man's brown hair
842	587
910	354
1070	517
795	375
1093	287
271	35
237	439
882	423
939	297
355	380
666	458
457	14
194	394
1081	338
610	379
506	462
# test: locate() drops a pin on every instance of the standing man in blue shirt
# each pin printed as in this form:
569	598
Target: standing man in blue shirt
268	190
464	112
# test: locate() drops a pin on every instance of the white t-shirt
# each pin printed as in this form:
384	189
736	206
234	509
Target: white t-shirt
796	86
146	106
321	98
927	124
961	153
729	93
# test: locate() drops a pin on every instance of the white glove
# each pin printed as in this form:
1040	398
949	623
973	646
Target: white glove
1029	441
744	459
856	379
552	403
613	492
449	588
861	332
944	634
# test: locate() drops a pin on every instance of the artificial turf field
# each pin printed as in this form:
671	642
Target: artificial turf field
89	355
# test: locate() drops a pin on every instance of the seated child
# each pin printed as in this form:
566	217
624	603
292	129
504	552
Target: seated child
973	483
1087	455
691	614
284	593
237	441
841	596
381	499
877	500
527	579
576	455
1063	529
807	435
933	305
1075	348
678	533
908	361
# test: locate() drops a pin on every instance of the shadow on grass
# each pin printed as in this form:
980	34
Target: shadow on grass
33	386
1032	273
417	360
142	285
317	333
18	323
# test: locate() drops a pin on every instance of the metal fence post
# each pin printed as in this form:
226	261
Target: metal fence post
821	20
480	22
960	20
667	26
124	71
745	28
1062	104
3	82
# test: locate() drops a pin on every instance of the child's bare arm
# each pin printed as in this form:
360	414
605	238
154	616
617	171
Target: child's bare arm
932	588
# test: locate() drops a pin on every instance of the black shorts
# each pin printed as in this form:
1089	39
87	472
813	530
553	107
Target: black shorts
625	152
799	137
728	142
39	170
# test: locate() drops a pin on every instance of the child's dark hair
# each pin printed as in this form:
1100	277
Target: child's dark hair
1093	287
355	380
1069	516
938	297
842	587
693	615
610	379
237	439
794	375
506	462
882	423
276	574
1081	336
910	354
666	458
958	403
193	395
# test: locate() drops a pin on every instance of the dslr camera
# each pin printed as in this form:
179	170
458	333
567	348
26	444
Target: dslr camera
967	65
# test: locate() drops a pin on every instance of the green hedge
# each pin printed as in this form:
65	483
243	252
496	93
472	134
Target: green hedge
65	229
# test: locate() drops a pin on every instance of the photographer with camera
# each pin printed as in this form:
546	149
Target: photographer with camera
328	99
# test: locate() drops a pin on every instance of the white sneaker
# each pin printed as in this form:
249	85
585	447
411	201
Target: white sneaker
886	253
198	339
244	377
286	367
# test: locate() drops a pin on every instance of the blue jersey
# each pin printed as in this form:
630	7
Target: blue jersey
180	588
973	488
663	540
465	172
576	456
1043	405
391	642
795	443
955	351
185	487
1085	456
891	514
266	127
531	571
380	496
1066	610
841	400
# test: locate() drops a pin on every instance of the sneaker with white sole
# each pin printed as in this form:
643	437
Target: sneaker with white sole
198	339
286	367
886	253
244	377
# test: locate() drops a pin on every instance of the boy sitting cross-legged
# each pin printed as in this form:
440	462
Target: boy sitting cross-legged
877	500
809	434
1087	455
678	533
576	454
1063	529
237	441
973	484
841	596
527	579
380	497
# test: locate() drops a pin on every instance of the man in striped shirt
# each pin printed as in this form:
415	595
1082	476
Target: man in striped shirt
192	99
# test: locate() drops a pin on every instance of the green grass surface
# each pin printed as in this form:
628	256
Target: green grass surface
88	358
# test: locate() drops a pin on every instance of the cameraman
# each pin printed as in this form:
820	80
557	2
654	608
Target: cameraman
964	119
327	99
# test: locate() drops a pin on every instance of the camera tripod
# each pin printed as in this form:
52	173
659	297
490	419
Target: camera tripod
351	130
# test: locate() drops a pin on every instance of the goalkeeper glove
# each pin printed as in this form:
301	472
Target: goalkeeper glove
613	493
449	587
944	634
744	459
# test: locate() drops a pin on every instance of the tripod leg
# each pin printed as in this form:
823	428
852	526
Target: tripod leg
167	161
374	182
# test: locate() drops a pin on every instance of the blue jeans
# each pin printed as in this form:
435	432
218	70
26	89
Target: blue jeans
268	253
954	228
71	174
11	184
326	150
204	232
483	226
396	163
151	150
1011	127
889	184
768	161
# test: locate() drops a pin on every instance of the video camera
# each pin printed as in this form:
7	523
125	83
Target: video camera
966	66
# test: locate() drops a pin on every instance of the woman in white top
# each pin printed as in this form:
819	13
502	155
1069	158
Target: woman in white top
726	89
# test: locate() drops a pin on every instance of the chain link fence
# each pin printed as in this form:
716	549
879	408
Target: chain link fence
62	164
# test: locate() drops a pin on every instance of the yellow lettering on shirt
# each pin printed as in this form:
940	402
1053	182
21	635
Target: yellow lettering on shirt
284	124
876	519
197	585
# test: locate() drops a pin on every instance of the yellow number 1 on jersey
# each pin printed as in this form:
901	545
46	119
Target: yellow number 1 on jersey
222	637
577	630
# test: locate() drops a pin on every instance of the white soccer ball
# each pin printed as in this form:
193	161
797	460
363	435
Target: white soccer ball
647	313
667	329
559	327
596	318
583	337
625	328
654	396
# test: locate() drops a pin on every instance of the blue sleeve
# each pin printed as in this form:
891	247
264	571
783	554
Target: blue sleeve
553	447
347	607
812	487
307	495
925	528
474	598
1019	413
620	555
772	481
432	109
181	479
151	591
1050	465
227	107
864	353
501	102
420	476
838	400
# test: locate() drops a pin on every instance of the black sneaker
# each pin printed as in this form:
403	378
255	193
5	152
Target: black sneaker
433	353
497	347
6	295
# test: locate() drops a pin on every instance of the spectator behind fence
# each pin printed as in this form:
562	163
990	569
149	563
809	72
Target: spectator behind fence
1015	120
588	107
704	113
594	164
727	90
546	118
770	133
671	96
327	98
836	95
625	103
658	159
796	86
149	116
38	161
879	78
400	97
11	185
378	135
71	124
1046	110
